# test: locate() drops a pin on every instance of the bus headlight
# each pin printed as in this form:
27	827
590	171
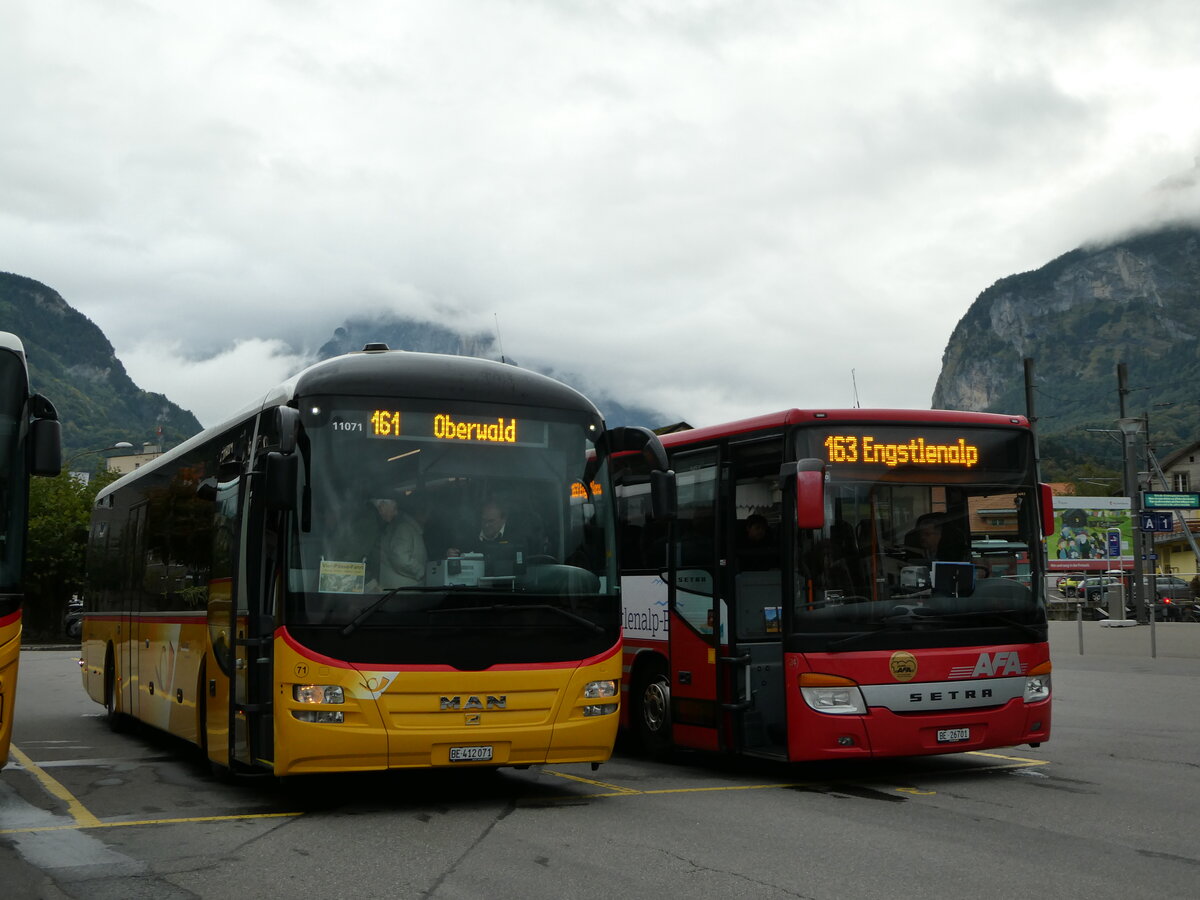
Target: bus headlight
832	694
318	693
1037	683
597	689
319	716
602	709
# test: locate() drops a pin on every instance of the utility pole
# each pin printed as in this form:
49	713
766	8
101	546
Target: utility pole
1129	431
1029	414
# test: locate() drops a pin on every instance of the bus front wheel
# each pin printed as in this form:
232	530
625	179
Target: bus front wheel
654	712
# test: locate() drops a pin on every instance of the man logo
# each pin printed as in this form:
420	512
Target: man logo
903	665
453	703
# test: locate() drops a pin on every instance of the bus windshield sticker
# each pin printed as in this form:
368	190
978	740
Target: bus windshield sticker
338	577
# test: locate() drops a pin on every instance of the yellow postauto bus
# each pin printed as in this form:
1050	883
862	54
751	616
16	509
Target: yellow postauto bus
30	444
394	560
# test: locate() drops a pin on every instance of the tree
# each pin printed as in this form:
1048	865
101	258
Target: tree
59	513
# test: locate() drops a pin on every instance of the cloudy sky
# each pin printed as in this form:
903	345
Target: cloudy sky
714	208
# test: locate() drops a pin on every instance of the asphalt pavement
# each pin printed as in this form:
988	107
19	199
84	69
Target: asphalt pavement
1180	640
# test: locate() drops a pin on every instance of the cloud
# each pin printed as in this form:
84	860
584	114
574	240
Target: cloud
718	206
216	387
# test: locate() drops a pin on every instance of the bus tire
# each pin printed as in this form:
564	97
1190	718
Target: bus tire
116	720
654	711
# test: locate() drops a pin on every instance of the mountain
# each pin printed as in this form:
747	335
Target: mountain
72	363
1136	300
402	333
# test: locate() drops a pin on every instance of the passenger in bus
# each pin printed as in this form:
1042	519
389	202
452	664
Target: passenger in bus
934	538
757	550
402	552
925	536
499	542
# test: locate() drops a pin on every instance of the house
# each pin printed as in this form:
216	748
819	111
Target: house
1181	474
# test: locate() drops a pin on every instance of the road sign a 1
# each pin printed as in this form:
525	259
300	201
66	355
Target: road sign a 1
1155	521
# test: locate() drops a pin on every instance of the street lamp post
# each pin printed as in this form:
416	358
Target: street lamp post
119	445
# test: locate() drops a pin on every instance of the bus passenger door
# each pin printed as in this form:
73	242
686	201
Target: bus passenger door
755	596
698	620
251	714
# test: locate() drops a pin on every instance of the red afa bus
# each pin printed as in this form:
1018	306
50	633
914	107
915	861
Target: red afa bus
818	597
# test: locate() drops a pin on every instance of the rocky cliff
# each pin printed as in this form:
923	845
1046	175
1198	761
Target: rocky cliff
72	363
1136	301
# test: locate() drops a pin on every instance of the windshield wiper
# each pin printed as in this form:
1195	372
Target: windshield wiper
911	616
524	607
1003	616
370	609
854	638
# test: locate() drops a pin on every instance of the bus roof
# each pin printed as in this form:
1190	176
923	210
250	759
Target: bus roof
383	372
793	417
435	376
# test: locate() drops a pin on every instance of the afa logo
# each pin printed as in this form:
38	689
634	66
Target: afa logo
992	665
903	665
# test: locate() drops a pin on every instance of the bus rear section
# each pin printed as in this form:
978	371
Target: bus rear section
358	580
833	589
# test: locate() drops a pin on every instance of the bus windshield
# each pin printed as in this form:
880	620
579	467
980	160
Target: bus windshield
438	533
13	391
935	544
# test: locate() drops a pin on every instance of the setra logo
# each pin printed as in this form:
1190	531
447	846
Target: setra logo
903	665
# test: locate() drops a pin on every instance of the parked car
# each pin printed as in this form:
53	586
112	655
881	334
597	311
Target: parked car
1068	583
1173	601
1093	587
1173	598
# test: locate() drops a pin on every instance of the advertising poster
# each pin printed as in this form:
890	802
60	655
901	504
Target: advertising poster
1090	533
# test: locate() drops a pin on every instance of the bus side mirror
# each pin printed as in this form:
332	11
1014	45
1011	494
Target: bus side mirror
810	491
287	421
45	447
664	495
634	438
281	472
1046	496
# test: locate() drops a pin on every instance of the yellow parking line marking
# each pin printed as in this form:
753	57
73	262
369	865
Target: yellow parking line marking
603	784
616	790
83	818
1020	759
126	824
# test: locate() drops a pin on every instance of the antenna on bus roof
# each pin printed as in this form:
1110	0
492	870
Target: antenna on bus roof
499	340
854	381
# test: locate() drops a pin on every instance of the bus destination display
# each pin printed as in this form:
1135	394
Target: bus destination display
386	423
920	452
867	449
